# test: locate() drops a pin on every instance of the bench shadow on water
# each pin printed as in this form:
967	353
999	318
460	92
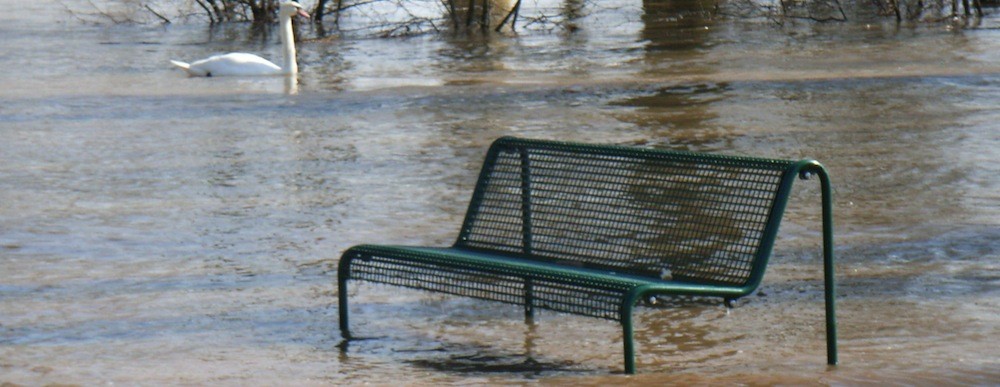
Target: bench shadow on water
463	336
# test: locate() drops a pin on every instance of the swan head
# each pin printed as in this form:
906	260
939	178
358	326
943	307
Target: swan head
291	8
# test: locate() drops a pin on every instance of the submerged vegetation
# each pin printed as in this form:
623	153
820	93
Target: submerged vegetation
410	17
837	10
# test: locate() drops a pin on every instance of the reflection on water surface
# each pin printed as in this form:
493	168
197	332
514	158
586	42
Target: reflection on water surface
162	229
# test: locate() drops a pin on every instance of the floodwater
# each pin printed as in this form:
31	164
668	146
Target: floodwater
158	229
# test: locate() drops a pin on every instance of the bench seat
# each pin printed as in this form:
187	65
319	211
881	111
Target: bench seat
510	279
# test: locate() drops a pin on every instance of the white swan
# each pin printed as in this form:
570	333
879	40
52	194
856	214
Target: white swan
239	63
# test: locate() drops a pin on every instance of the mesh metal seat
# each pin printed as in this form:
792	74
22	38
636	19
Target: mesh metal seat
590	230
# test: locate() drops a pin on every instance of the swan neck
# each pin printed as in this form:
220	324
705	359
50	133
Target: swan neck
288	45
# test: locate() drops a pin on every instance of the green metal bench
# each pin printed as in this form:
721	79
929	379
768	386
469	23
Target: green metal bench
592	230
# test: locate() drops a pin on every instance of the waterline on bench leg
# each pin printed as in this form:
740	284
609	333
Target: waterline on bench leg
342	307
342	304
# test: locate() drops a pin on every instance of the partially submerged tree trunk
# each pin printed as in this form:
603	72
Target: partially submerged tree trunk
484	14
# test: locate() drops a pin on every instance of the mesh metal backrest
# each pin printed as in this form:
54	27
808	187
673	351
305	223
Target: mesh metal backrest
653	213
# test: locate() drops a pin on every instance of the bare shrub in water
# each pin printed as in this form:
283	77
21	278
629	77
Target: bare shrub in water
780	11
116	12
412	17
939	9
359	17
145	11
258	11
408	17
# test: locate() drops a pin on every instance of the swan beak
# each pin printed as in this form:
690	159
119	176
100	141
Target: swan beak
303	13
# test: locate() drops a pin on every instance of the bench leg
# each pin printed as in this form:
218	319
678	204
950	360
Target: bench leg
829	286
627	336
343	274
629	347
342	305
529	296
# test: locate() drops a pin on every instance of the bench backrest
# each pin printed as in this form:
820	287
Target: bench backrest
672	215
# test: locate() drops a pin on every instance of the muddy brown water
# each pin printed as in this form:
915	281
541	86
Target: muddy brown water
158	229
